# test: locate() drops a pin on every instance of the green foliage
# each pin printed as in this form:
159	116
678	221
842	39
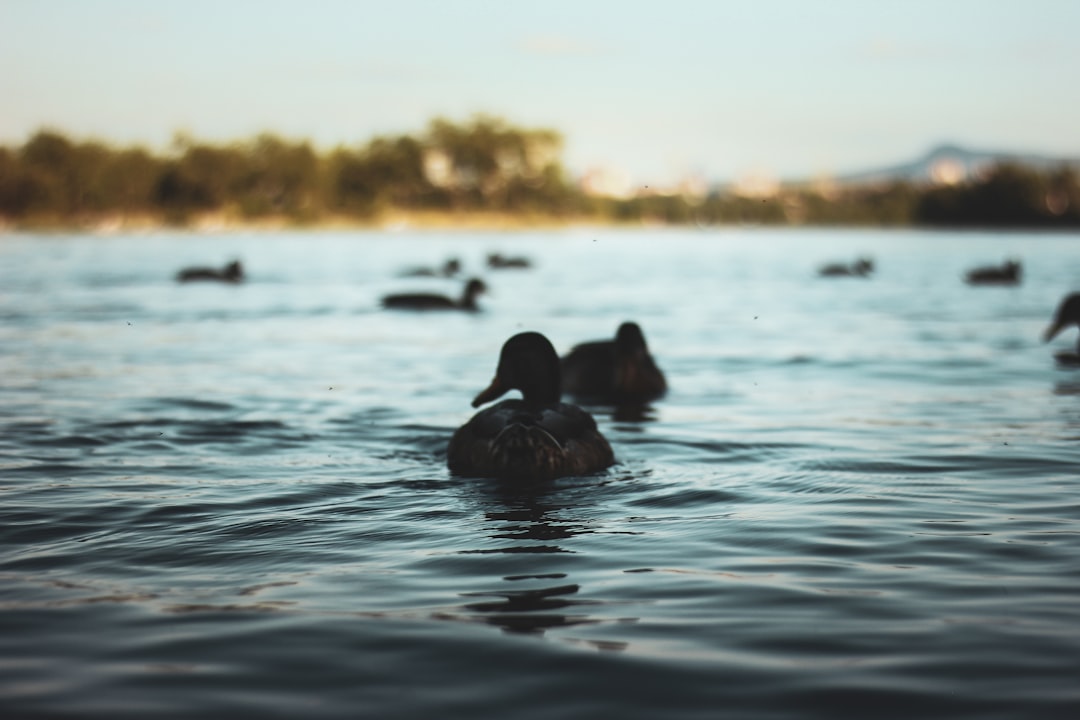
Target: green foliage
482	165
1009	196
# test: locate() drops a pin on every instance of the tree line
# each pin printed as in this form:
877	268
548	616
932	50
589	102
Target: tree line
481	165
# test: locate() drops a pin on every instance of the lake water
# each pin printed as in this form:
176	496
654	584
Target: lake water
859	498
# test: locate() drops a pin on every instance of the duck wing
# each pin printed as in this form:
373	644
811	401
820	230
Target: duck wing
511	440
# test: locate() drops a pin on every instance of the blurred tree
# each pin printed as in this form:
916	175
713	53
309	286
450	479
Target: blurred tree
204	177
1008	196
128	179
489	163
278	177
484	164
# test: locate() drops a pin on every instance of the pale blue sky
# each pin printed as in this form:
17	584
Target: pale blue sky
787	87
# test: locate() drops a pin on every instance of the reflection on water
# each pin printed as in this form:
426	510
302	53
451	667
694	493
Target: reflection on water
857	498
531	611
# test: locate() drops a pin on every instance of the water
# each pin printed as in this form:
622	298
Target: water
857	500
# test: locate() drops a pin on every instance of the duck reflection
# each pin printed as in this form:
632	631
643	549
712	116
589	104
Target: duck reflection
532	612
526	514
1067	388
535	522
634	414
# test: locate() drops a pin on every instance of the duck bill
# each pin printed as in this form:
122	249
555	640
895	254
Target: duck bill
1052	331
493	391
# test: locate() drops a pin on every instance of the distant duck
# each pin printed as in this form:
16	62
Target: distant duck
497	261
534	438
860	268
1006	274
1068	313
431	301
231	273
449	269
619	371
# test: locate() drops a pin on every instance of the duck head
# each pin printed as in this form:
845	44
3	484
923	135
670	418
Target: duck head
234	271
527	363
1068	313
629	340
473	288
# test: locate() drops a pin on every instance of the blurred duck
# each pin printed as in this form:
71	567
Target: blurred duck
534	438
860	268
449	269
1006	274
619	371
231	273
1068	313
497	261
430	301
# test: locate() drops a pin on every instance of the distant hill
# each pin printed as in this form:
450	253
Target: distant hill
952	163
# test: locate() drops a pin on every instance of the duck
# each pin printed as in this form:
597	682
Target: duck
860	268
1006	274
618	372
431	301
1067	313
450	268
231	273
534	438
498	261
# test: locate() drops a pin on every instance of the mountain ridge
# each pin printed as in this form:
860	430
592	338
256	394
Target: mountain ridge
952	162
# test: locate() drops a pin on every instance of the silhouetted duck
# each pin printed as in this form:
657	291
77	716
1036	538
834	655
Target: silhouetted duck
231	273
860	268
449	269
619	371
1068	313
1006	274
498	261
534	438
430	301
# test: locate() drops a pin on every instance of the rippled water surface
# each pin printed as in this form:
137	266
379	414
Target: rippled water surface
858	499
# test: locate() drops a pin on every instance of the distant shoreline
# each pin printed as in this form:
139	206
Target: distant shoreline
222	223
215	222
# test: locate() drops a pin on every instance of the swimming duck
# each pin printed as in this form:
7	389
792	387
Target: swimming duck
619	371
430	301
231	273
1068	313
449	269
534	438
498	261
1007	274
860	268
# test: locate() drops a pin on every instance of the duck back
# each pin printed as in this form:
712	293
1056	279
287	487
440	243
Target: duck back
419	301
512	440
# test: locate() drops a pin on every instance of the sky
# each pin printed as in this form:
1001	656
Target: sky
717	89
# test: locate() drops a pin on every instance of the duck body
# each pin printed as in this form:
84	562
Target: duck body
449	269
1007	274
422	301
432	301
498	261
516	441
619	371
534	438
231	273
860	268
